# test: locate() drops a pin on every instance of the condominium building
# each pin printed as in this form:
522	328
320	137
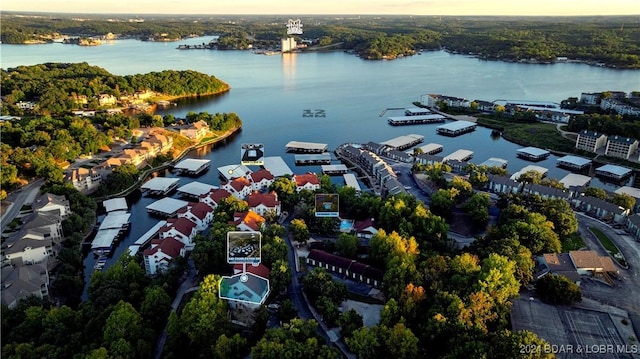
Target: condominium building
590	141
623	147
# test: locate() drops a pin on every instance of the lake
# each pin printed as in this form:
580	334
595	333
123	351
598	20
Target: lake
271	93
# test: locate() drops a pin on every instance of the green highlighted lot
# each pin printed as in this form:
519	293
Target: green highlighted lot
609	246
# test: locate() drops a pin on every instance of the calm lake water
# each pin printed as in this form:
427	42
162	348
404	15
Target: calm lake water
270	94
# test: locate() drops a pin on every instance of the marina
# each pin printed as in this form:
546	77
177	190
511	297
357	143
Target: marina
334	169
416	119
313	159
532	153
159	186
403	142
114	225
192	166
573	163
456	128
306	147
166	207
459	155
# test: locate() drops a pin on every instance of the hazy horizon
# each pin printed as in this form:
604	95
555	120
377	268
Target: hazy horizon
332	7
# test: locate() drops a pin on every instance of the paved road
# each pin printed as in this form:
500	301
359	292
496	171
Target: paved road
20	198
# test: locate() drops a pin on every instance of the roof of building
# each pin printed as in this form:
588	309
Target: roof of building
199	209
260	270
543	171
593	134
558	262
350	180
457	125
240	183
631	191
182	225
231	288
167	205
21	282
602	204
115	204
115	220
575	180
218	194
547	191
22	244
261	174
428	157
623	140
307	145
533	151
346	263
574	160
269	200
49	198
430	147
250	218
495	162
196	188
502	180
277	166
615	170
305	178
334	168
402	141
325	156
591	259
191	164
234	171
635	219
41	219
169	246
460	155
363	224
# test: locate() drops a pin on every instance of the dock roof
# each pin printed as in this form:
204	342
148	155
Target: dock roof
167	205
457	125
533	151
325	156
631	191
495	162
191	164
334	168
416	110
350	180
104	238
234	171
160	184
574	160
575	180
543	171
277	166
615	170
402	141
431	147
196	188
431	116
115	204
314	146
459	155
115	220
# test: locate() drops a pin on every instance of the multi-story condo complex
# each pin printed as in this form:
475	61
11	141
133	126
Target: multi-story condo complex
622	147
590	141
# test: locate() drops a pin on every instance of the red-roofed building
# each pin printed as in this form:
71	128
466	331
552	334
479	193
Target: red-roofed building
365	228
259	270
239	187
214	197
247	221
182	229
308	181
261	180
162	252
262	203
199	213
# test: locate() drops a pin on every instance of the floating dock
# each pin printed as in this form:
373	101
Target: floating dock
115	204
532	153
313	159
459	155
195	189
306	147
403	142
350	180
192	166
417	111
543	171
167	207
613	172
495	162
334	169
159	186
456	128
277	166
573	163
431	148
416	120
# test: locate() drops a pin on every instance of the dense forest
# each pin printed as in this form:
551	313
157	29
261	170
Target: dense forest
612	41
57	87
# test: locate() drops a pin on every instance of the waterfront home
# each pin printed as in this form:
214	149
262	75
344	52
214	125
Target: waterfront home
263	203
365	228
29	251
308	181
348	268
399	156
601	209
485	106
375	147
502	184
199	213
181	229
620	107
161	253
261	179
49	202
351	152
633	225
427	159
83	179
239	187
590	141
248	221
214	197
622	147
41	225
195	131
21	282
434	100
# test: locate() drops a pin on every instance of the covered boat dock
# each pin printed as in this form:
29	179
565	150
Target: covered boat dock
334	169
495	162
431	148
277	166
459	155
166	207
403	142
160	186
532	153
115	204
543	171
415	119
306	147
195	189
456	128
192	166
313	159
573	162
613	172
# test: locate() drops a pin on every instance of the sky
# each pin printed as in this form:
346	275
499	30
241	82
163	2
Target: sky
308	7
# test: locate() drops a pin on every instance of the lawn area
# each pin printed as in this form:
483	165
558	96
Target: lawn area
572	242
608	245
542	135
